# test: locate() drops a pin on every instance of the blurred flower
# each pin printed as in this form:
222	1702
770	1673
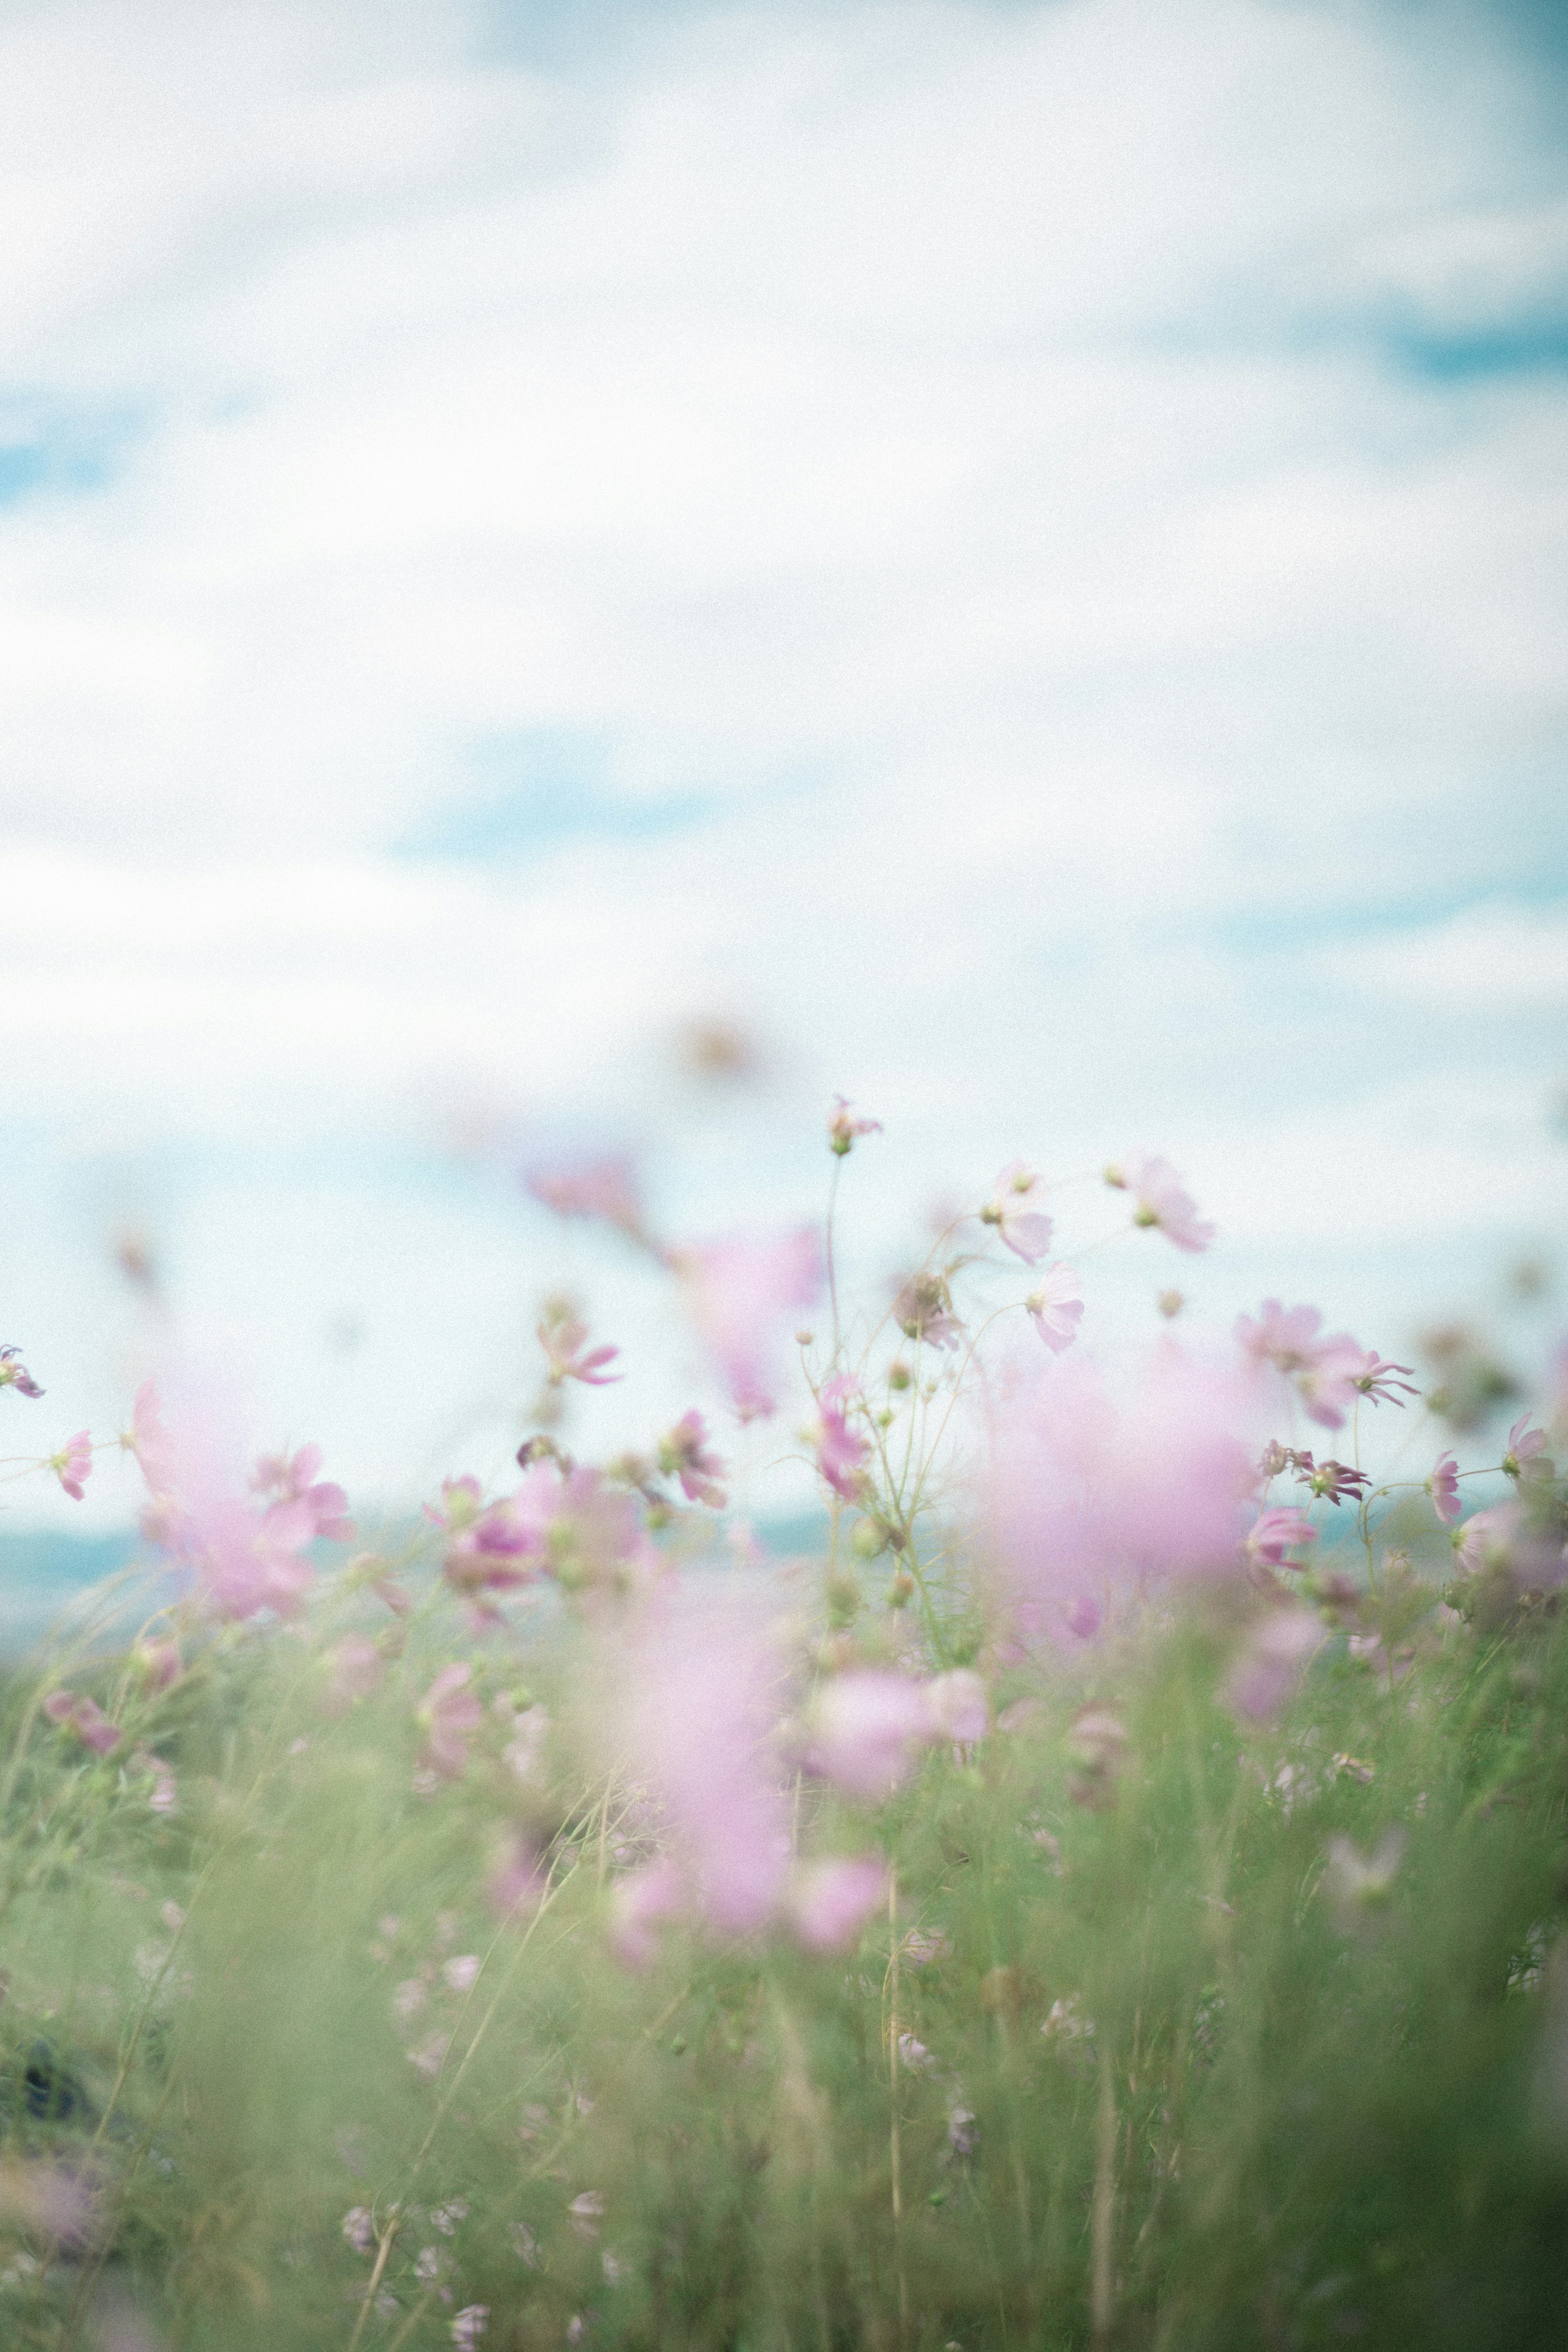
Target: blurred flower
295	1481
1160	1199
831	1901
83	1716
355	1668
157	1660
1015	1210
605	1187
1097	1739
914	2056
1271	1663
742	1293
14	1374
73	1464
243	1559
470	2325
517	1881
645	1901
841	1452
925	1947
956	1707
1525	1448
562	1337
1329	1369
359	2228
963	2132
1356	1884
683	1454
586	2212
1444	1488
923	1310
1277	1533
461	1973
866	1726
450	1715
1056	1307
842	1129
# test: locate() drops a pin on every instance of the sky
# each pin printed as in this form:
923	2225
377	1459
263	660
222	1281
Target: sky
1010	556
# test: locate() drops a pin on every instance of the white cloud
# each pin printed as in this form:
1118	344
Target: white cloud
1490	958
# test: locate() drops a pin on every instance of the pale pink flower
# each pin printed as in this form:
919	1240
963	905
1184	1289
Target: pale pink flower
563	1337
842	1129
841	1452
956	1707
354	1669
683	1454
14	1374
830	1902
1376	1380
923	1310
645	1901
603	1187
73	1712
1525	1447
158	1661
450	1714
742	1293
1056	1307
73	1464
586	2211
243	1559
1507	1539
1329	1368
294	1481
1277	1533
1289	1338
866	1726
1271	1664
1015	1210
1444	1488
1160	1199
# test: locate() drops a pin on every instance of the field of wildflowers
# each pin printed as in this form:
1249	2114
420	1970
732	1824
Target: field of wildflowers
1112	1892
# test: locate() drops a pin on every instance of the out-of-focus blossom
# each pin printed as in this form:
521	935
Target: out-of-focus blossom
1056	1307
519	1881
962	2131
1376	1380
586	2211
73	1712
563	1337
1272	1661
1334	1481
923	1310
841	1452
683	1454
742	1293
242	1559
1160	1198
842	1129
461	1974
359	2228
295	1481
606	1187
865	1728
50	2200
73	1464
1328	1368
1444	1488
1357	1886
14	1373
1522	1457
1277	1533
470	2325
450	1714
164	1793
354	1669
956	1707
926	1948
645	1901
1015	1210
1097	1741
157	1660
831	1901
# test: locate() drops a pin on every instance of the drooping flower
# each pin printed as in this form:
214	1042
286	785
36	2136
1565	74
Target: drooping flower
741	1292
156	1658
1015	1210
450	1714
1444	1488
1277	1533
1056	1307
14	1374
923	1310
563	1338
74	1712
683	1454
1335	1481
1376	1380
1328	1368
1272	1661
1160	1198
604	1186
842	1129
831	1901
841	1452
73	1464
1524	1449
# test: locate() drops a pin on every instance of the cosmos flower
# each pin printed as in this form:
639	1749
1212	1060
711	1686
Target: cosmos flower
841	1452
564	1339
1056	1307
1444	1488
1160	1198
1278	1532
842	1129
683	1454
831	1901
1015	1210
14	1374
73	1464
741	1293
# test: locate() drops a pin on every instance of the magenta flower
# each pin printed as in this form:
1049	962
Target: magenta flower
83	1716
1277	1533
1015	1210
741	1293
865	1728
1056	1307
605	1187
1525	1448
14	1374
830	1902
1444	1488
683	1454
842	1129
294	1481
73	1464
1160	1199
562	1337
450	1714
841	1452
1270	1665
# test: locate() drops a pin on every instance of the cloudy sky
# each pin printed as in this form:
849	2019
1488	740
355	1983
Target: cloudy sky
1012	554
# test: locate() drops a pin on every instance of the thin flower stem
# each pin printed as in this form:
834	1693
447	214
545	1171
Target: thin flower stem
832	1273
382	2251
894	2145
1102	2217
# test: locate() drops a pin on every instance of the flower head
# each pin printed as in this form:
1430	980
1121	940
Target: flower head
1275	1534
73	1464
1329	1368
450	1714
604	1186
1376	1380
683	1454
1522	1457
841	1452
842	1129
1160	1198
83	1716
1444	1488
865	1728
564	1339
14	1373
1271	1663
831	1901
923	1310
295	1481
742	1292
1332	1480
1015	1210
1056	1307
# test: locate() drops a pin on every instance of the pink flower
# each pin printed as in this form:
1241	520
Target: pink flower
293	1482
1329	1368
741	1292
518	1883
841	1452
354	1669
605	1187
923	1310
562	1337
1277	1533
1160	1199
158	1661
1056	1307
645	1901
14	1374
470	2325
683	1454
830	1902
1444	1488
1375	1379
956	1707
450	1714
842	1129
83	1716
1525	1447
243	1559
1015	1210
1269	1667
1332	1480
865	1728
73	1464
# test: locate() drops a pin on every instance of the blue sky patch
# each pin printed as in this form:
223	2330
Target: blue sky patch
536	791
